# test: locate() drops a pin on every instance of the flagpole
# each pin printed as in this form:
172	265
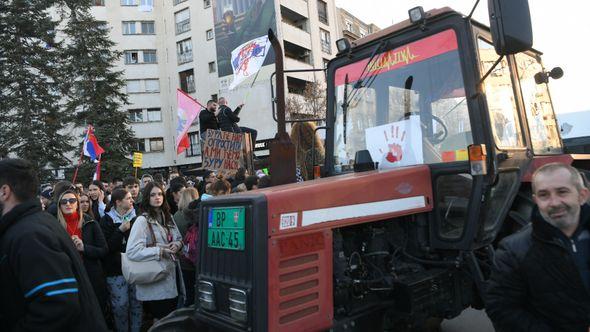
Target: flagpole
250	89
81	155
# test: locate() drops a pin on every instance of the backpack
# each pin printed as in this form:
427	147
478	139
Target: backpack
191	244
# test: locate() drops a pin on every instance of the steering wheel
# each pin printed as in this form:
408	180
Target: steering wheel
437	137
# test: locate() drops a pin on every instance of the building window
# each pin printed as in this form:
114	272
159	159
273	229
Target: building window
206	3
98	2
325	41
136	115
212	68
183	21
128	2
147	3
184	51
139	145
156	144
129	28
154	115
348	25
133	86
148	28
209	34
149	56
194	148
131	57
152	85
362	32
176	2
323	12
187	80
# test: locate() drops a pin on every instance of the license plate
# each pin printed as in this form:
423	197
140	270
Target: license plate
226	228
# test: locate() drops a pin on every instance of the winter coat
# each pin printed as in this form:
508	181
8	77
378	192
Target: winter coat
138	250
98	208
43	281
207	120
537	282
184	219
95	249
116	240
228	119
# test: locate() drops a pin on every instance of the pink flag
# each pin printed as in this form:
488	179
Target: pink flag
188	110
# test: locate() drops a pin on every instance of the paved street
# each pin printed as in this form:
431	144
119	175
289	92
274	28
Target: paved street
469	320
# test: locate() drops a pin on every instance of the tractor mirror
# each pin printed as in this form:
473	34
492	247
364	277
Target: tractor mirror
510	22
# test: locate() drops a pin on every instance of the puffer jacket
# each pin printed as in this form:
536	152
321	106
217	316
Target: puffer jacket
139	249
43	281
538	282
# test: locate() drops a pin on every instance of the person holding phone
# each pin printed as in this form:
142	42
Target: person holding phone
155	236
98	197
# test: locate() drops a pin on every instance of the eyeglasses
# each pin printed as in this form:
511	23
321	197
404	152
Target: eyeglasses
68	200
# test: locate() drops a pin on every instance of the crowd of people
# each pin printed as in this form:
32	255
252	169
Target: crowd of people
147	219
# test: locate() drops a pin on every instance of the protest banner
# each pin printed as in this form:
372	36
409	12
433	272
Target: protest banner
222	151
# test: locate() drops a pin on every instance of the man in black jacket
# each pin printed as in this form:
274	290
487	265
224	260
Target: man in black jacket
208	119
228	120
43	283
541	277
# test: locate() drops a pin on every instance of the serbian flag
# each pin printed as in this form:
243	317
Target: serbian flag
90	145
188	110
247	59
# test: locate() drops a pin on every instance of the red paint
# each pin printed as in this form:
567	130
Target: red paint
539	161
301	244
414	52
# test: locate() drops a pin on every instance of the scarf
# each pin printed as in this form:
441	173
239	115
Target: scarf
72	222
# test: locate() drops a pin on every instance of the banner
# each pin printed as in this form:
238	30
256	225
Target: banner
188	111
238	21
222	151
396	144
247	59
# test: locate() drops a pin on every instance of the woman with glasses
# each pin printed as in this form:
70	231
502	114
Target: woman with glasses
88	240
155	236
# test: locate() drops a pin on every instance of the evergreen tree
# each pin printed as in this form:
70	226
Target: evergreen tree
32	122
94	87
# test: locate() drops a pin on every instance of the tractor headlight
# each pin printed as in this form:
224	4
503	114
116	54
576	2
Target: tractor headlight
207	295
238	304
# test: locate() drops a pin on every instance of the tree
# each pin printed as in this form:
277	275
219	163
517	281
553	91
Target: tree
32	123
94	88
309	105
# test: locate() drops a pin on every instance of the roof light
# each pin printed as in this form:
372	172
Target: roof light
343	45
417	14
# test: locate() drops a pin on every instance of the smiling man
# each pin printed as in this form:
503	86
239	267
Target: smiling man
541	279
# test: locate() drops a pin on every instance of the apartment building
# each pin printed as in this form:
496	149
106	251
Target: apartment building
170	44
353	28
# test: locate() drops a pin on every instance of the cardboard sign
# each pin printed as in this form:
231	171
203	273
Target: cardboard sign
396	144
222	151
137	159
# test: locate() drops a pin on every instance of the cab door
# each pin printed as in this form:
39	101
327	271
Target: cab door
510	145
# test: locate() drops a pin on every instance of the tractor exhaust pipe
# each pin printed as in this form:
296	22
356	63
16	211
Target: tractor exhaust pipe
282	151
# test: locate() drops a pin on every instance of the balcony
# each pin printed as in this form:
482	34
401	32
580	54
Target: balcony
185	57
297	52
326	47
297	6
296	36
183	26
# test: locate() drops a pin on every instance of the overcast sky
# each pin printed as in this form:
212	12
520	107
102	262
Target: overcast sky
556	25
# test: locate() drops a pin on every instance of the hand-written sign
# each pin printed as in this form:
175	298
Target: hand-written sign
222	151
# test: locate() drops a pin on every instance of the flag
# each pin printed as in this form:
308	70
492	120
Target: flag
188	109
247	59
90	145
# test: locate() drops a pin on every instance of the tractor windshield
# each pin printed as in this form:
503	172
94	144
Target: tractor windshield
406	106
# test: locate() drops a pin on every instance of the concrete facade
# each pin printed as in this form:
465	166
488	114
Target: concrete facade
171	44
353	28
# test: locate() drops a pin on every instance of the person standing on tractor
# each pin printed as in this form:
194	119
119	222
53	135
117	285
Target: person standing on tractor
208	119
541	279
228	120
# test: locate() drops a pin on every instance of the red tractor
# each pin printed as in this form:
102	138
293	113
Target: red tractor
433	128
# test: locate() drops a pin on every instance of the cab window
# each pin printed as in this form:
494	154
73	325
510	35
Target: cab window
499	94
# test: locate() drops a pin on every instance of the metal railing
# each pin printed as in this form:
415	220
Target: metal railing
183	26
185	57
